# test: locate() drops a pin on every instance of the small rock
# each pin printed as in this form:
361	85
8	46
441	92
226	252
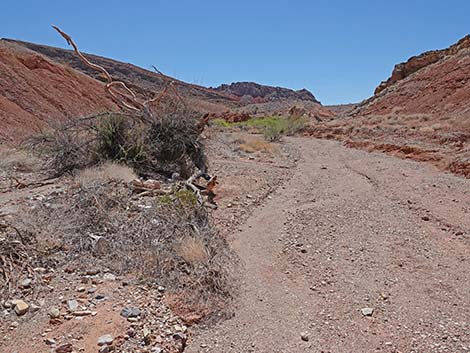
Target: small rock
130	312
157	350
20	307
26	283
109	277
72	305
147	335
80	289
130	332
304	336
105	339
82	313
425	218
91	290
35	308
367	311
92	272
64	348
54	312
104	349
50	341
161	289
181	337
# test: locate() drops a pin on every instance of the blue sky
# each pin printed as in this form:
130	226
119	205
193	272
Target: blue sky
338	49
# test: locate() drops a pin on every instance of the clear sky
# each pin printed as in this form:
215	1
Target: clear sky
338	49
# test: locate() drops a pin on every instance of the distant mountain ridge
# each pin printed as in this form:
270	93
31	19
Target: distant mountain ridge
42	85
257	92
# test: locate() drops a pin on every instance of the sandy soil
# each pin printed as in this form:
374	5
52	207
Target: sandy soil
353	230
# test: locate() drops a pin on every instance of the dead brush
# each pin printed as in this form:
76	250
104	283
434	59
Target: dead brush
18	256
168	240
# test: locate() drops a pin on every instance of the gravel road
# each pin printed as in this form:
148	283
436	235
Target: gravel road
357	252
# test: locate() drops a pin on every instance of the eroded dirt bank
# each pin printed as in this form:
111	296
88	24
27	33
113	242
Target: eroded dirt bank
358	252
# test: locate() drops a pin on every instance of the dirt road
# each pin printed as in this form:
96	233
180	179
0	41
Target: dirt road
351	231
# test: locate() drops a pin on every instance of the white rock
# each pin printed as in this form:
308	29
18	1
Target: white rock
105	339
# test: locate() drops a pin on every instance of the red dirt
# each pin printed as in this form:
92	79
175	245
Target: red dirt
35	92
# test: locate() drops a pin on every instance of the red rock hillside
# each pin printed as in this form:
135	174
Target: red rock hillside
435	83
35	92
421	112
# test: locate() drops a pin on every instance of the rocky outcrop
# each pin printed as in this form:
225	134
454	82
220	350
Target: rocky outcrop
435	83
416	63
250	92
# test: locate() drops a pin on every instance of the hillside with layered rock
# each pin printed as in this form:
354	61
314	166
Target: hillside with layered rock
421	112
84	93
36	92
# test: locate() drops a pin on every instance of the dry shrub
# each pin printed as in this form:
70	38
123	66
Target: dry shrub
18	160
169	240
20	254
109	171
192	250
165	142
252	145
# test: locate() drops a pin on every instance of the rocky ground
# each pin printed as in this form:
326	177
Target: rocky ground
356	252
74	310
341	251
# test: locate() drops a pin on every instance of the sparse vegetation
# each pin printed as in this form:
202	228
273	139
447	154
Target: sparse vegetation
253	145
171	241
109	171
18	160
167	143
272	127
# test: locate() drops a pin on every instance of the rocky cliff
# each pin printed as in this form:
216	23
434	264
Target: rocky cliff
419	62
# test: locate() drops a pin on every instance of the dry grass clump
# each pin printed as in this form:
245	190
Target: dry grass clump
192	250
253	145
109	171
167	239
18	160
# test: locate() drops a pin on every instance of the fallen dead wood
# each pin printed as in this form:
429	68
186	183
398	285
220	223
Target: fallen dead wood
16	253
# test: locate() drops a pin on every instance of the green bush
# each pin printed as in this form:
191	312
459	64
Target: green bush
272	127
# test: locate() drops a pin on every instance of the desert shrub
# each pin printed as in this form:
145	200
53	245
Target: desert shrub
222	123
172	141
18	160
275	130
162	143
272	127
172	243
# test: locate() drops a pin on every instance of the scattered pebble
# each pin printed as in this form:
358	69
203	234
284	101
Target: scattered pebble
130	311
367	311
105	340
20	307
